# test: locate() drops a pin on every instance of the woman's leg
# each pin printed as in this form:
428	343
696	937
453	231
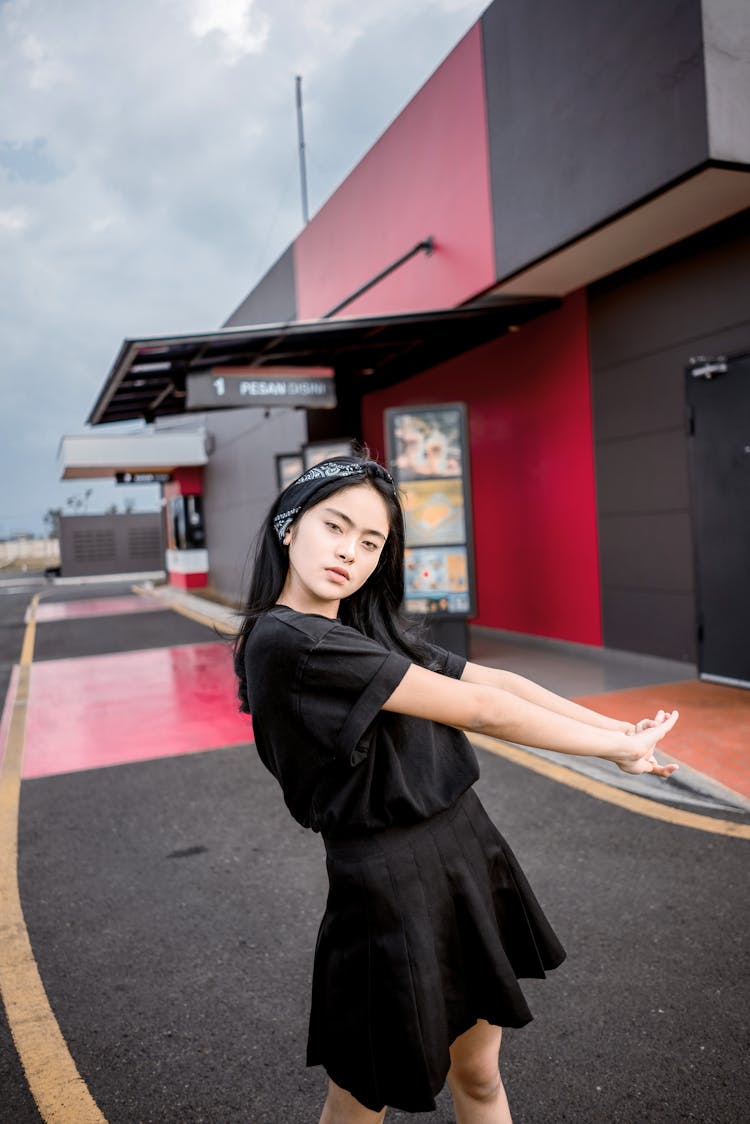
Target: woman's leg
474	1077
342	1108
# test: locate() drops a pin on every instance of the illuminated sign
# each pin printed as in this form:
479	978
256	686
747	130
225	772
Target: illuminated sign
312	387
428	455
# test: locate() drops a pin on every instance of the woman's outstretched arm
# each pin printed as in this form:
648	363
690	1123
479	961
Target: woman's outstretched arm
532	692
491	710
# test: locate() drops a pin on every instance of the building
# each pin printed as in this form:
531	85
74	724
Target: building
566	207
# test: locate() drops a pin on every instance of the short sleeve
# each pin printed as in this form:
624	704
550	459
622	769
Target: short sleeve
344	682
445	662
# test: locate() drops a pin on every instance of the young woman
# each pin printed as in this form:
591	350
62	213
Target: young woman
429	921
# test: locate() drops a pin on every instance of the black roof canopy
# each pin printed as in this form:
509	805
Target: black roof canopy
148	377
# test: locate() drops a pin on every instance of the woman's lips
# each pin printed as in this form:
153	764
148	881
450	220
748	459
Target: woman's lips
336	575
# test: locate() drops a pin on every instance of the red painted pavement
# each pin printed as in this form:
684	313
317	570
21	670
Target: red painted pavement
96	607
108	710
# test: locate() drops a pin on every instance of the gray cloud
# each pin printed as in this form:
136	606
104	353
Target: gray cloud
148	178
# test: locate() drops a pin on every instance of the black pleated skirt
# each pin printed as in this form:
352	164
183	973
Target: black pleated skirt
427	928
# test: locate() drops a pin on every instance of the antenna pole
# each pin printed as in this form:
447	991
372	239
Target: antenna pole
301	138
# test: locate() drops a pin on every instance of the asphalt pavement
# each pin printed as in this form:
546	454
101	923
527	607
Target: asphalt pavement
172	907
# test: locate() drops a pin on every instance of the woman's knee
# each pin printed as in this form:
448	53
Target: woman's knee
479	1080
475	1065
342	1108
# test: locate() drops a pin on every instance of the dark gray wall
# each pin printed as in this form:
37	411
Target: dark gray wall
110	544
645	324
274	298
239	484
592	105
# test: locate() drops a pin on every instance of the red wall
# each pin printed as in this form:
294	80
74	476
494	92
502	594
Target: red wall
428	174
532	465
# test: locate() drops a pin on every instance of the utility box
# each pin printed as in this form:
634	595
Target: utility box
92	545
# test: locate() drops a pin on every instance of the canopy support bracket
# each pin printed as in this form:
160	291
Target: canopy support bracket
427	245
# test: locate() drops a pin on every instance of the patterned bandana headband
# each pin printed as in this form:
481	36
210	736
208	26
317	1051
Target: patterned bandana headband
300	491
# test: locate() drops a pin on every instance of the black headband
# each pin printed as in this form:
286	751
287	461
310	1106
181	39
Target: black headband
300	491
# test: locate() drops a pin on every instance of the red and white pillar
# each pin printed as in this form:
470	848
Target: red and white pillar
186	555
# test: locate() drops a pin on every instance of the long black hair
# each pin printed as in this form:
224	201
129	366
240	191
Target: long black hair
375	609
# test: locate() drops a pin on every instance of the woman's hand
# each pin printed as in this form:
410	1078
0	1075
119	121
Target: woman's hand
638	756
647	723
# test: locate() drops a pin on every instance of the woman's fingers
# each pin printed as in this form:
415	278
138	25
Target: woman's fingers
667	724
651	765
663	723
649	723
648	739
664	770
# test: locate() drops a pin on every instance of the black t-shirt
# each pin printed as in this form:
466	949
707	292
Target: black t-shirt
316	688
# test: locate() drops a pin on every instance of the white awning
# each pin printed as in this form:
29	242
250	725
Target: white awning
100	455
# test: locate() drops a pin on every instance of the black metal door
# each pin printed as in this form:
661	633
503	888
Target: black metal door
718	399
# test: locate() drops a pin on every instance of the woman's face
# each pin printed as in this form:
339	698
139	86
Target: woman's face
334	548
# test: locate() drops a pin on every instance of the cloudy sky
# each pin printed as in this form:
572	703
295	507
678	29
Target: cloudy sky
149	178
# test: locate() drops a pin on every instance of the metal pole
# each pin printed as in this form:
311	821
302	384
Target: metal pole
427	245
301	137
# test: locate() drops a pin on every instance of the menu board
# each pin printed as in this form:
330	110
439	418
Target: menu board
428	458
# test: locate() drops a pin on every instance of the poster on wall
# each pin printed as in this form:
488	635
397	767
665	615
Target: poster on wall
428	458
437	580
318	451
427	443
434	512
288	467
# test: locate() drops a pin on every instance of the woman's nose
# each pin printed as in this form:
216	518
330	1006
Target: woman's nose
346	550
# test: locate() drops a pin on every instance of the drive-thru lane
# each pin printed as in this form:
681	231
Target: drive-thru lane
172	908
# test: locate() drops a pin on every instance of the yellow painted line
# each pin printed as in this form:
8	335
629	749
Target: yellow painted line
610	795
57	1087
29	636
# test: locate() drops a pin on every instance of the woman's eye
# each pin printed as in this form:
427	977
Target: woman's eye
333	526
370	545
